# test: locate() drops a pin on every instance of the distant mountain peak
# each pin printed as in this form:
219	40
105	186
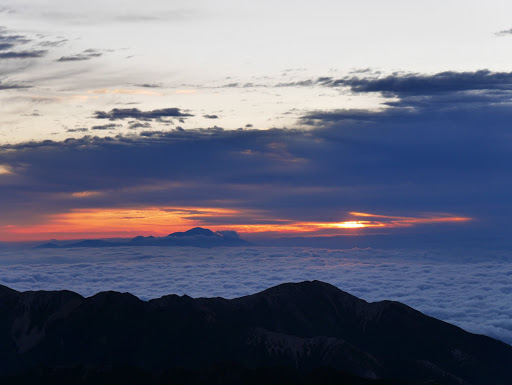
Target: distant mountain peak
194	232
196	237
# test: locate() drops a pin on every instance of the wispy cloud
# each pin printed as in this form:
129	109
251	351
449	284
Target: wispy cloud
27	54
9	46
12	86
105	91
84	56
505	32
110	126
135	113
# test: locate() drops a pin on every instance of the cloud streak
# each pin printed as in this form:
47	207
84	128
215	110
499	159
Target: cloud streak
111	126
425	84
12	86
8	42
84	56
135	113
28	54
504	32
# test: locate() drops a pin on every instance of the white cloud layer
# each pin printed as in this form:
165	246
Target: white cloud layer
474	293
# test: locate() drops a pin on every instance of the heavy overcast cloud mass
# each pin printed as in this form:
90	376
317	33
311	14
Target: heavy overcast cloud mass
443	152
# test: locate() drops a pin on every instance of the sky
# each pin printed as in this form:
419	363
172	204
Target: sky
273	119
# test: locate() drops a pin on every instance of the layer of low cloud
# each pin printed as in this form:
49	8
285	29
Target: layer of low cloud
470	291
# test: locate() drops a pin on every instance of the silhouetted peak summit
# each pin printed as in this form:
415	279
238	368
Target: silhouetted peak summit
194	232
304	292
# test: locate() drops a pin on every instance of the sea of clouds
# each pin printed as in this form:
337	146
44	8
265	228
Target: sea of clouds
474	293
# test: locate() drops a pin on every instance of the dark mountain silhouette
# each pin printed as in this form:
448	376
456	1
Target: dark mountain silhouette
195	232
90	243
48	245
309	332
196	237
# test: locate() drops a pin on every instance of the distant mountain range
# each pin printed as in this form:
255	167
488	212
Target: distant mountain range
198	237
300	333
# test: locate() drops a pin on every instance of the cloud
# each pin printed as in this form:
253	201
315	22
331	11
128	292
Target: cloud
53	43
504	32
135	113
110	126
6	10
471	291
73	17
10	42
22	54
124	91
135	125
77	129
390	165
445	95
425	84
420	153
85	55
4	46
149	85
36	53
12	86
404	84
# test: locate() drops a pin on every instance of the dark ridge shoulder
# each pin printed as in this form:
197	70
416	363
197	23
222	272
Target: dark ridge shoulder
299	326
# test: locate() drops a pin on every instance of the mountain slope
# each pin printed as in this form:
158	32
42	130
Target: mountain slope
301	326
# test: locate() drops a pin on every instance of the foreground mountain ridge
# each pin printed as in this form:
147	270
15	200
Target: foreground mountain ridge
301	326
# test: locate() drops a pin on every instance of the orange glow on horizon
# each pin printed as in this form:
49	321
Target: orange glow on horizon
161	221
5	170
101	223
